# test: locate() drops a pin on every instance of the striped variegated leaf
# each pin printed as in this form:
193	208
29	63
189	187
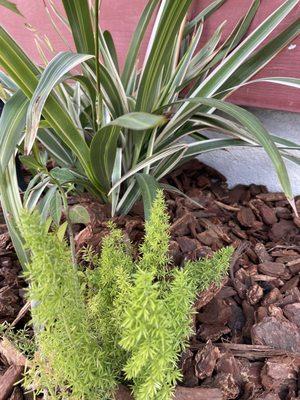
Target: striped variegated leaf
103	152
136	41
148	187
149	161
167	28
12	123
10	6
139	121
257	131
25	74
52	75
234	60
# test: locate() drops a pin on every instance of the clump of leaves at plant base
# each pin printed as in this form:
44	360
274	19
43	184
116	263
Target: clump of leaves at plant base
120	131
121	321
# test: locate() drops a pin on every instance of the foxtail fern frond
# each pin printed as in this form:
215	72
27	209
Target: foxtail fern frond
70	364
157	320
207	270
155	247
109	284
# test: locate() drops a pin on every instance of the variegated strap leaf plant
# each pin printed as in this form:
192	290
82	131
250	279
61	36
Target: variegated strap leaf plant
117	133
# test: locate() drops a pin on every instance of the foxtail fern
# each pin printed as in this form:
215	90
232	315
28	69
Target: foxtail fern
69	362
157	319
108	285
126	319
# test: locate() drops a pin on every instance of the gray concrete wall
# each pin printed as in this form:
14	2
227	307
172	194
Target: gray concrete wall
248	166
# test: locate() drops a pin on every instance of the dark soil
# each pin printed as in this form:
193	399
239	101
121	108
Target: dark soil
11	285
247	341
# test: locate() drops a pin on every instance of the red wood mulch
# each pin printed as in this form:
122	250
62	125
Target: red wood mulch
247	341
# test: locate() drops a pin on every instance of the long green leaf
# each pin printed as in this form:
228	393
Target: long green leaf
221	124
196	148
61	64
231	63
24	73
139	121
10	6
55	147
111	47
148	187
253	64
35	194
167	164
79	18
108	62
260	58
8	82
136	41
181	70
203	57
244	26
149	161
167	30
280	80
103	152
44	205
129	198
211	84
11	206
12	123
115	176
236	35
112	95
257	130
202	15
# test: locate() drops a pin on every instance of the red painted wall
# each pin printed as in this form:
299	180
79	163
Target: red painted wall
121	16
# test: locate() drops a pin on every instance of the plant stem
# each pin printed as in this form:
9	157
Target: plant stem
69	222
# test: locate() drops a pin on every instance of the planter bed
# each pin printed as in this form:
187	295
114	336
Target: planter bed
247	342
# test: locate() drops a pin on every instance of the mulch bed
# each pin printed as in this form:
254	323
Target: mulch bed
247	341
11	286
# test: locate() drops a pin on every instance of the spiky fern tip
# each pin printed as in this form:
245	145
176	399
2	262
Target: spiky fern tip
206	271
69	359
109	285
157	323
155	248
155	330
146	338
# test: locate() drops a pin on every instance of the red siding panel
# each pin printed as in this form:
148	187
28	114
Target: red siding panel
121	16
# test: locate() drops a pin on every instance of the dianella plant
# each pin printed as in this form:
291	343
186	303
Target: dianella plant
116	132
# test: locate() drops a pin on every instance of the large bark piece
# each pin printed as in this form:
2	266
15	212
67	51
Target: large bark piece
7	381
181	393
276	333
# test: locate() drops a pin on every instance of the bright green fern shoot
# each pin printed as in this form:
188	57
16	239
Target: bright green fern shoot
69	362
157	320
108	286
22	339
154	250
